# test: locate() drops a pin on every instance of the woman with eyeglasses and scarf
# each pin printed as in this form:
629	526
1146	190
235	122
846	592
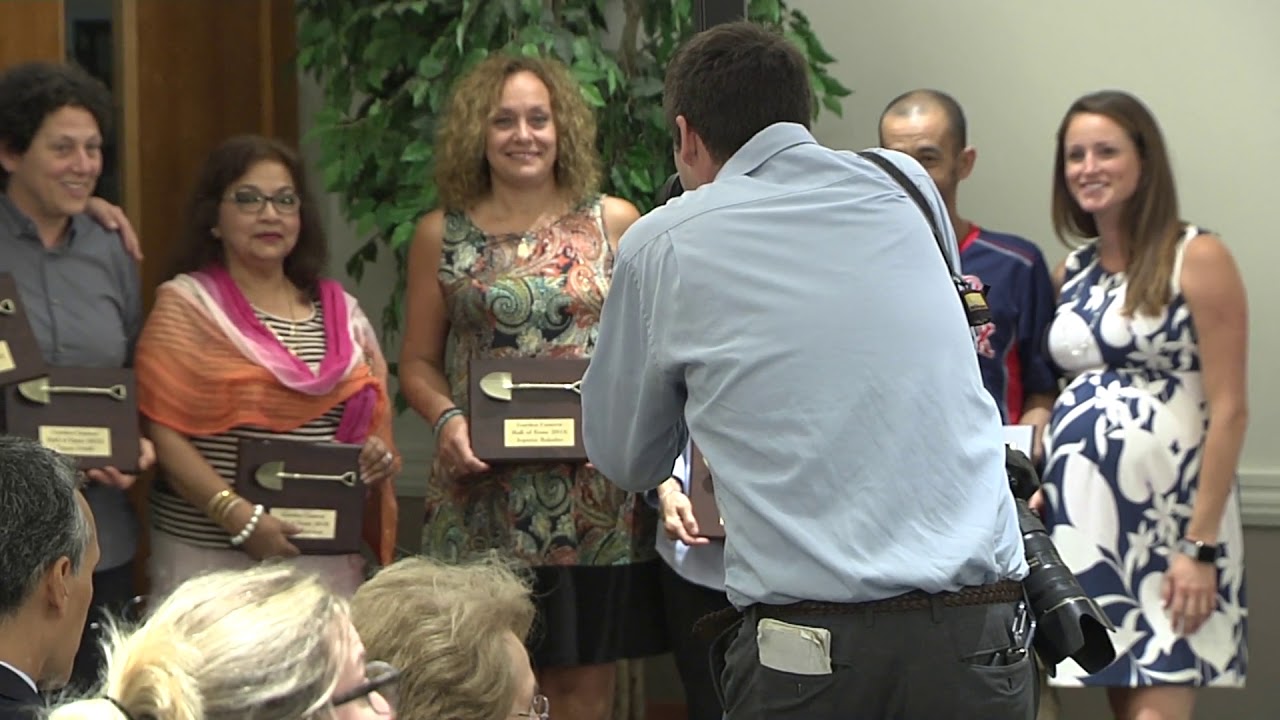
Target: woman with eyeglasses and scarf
248	342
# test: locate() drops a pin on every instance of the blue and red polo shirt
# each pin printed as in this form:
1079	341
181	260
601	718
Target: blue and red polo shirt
1011	348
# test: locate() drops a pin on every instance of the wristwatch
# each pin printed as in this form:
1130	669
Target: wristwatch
1199	550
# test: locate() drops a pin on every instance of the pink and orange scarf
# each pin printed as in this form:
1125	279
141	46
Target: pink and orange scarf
205	364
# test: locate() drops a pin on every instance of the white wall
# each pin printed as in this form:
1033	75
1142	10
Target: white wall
1206	69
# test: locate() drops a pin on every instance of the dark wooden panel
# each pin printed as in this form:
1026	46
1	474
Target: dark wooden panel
31	30
189	74
195	73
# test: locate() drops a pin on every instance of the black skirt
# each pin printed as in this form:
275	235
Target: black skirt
588	615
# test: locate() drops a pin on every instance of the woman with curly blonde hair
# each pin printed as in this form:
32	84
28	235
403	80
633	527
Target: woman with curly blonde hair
516	263
459	633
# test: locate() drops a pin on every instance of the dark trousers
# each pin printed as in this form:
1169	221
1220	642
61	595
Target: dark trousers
918	665
684	603
113	590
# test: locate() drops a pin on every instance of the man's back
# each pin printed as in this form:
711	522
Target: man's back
831	378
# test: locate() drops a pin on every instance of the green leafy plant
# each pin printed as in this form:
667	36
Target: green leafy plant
386	68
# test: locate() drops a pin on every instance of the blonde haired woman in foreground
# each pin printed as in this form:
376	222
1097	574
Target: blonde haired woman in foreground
459	632
269	643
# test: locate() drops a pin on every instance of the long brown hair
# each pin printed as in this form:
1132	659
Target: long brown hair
1150	219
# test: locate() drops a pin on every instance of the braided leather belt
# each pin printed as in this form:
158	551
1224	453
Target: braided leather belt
917	600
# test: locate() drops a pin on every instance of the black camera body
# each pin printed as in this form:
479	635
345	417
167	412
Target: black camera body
1069	624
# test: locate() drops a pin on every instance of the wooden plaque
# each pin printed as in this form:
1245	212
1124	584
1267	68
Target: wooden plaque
702	495
327	501
89	414
536	424
20	356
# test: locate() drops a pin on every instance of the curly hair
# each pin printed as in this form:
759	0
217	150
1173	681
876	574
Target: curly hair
447	633
267	642
199	249
33	91
462	170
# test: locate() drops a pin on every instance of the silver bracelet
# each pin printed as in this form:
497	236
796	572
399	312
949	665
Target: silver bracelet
445	417
249	527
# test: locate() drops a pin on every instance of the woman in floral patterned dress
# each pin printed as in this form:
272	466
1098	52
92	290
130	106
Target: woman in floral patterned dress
1144	440
516	263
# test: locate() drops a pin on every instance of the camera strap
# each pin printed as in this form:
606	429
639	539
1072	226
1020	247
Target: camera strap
973	301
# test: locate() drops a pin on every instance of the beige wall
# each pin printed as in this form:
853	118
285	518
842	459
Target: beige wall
1207	70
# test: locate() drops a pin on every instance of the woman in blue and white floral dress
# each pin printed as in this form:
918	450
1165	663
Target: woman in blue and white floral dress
1143	443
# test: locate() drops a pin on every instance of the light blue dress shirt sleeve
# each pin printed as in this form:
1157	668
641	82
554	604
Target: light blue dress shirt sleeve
632	409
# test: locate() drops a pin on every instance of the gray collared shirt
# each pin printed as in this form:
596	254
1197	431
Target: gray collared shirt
84	302
797	315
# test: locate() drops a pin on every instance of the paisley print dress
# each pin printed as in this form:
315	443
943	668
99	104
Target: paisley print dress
539	294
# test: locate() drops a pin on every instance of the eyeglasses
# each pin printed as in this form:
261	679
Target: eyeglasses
378	691
252	202
539	709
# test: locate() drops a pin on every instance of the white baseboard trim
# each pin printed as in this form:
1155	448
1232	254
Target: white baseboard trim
1260	498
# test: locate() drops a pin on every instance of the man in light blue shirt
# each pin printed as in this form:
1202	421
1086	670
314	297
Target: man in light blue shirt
793	309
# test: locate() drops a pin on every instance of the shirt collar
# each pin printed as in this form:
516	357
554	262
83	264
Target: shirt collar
764	145
23	226
25	677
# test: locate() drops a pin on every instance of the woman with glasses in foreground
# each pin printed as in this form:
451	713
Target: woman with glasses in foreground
271	643
248	341
459	632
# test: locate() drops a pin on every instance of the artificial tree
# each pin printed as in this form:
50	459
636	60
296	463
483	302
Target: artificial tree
386	68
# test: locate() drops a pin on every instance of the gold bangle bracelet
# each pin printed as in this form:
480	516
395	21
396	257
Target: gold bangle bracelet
219	504
225	511
217	499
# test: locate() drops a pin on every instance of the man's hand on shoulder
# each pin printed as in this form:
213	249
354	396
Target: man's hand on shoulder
112	217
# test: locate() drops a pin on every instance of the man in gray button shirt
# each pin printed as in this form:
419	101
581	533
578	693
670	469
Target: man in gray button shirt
77	282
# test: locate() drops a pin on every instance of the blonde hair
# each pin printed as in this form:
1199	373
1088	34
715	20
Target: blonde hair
462	171
264	644
445	626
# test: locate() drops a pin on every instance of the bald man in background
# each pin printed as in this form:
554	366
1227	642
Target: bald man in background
930	126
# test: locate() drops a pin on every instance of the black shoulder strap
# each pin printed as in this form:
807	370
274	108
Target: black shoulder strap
896	173
973	302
